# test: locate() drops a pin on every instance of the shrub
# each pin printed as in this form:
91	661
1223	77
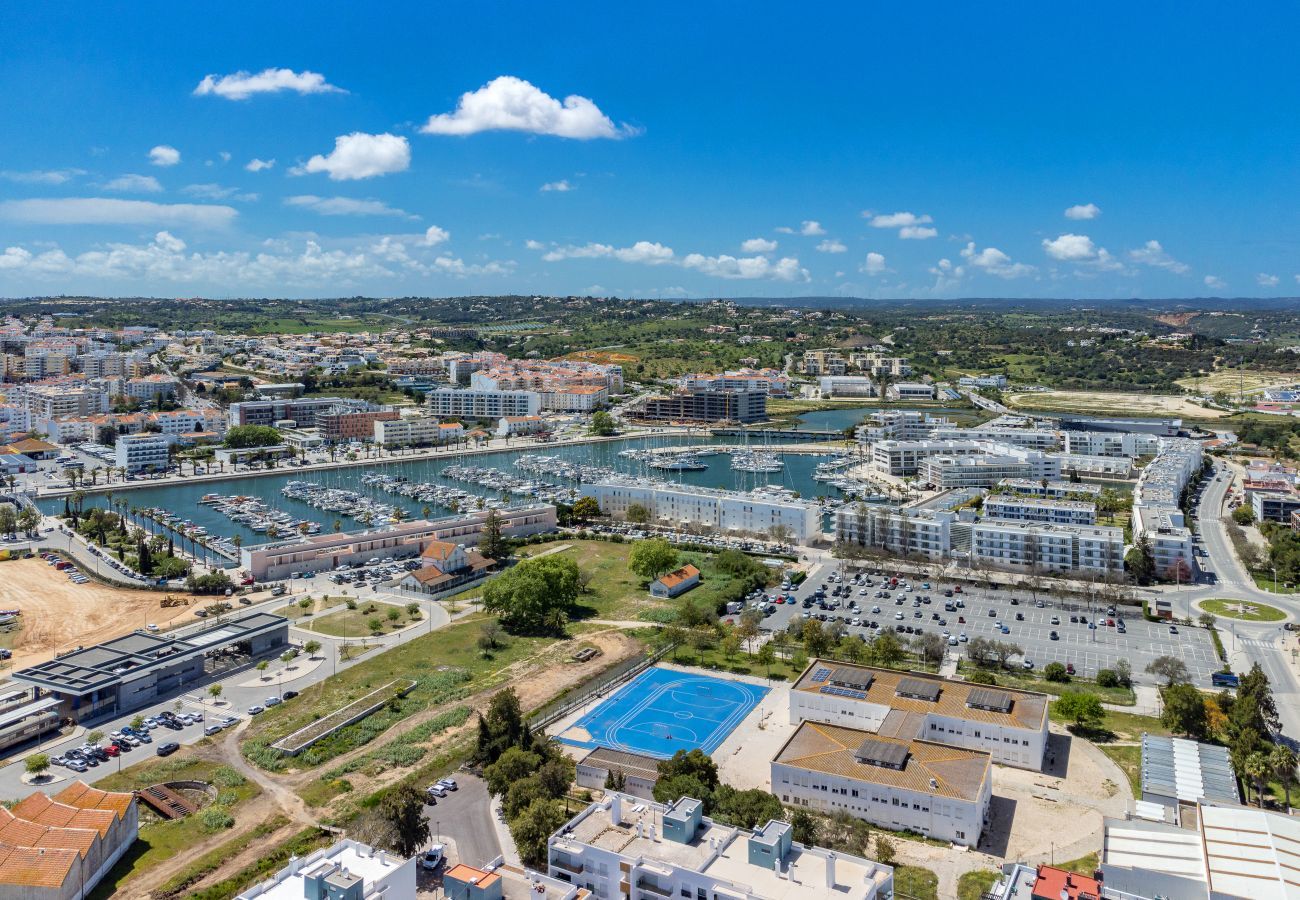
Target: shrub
1055	672
980	676
1107	678
226	776
215	818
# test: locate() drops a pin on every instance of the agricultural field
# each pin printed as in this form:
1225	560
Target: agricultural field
1106	403
1231	382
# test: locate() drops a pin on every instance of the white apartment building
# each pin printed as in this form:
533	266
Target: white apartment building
770	381
53	401
513	426
148	388
1053	490
417	431
679	504
846	386
904	532
1111	443
1157	516
902	458
1037	509
143	452
349	870
1108	467
899	425
625	848
878	364
1031	438
988	468
1009	725
188	421
983	381
912	391
472	404
579	398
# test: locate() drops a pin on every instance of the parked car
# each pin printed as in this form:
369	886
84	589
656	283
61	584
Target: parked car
272	701
168	748
256	710
211	730
289	695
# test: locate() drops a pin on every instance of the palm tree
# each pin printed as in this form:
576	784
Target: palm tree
1282	761
1256	768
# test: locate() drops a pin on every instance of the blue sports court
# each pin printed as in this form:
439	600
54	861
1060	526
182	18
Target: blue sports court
662	711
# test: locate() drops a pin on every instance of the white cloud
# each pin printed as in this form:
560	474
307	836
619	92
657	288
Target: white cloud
994	261
242	85
562	186
1263	279
103	211
758	245
359	155
433	236
875	263
649	252
345	206
811	228
832	245
134	184
783	229
42	176
784	269
507	103
1214	282
1083	211
1152	254
14	258
259	165
897	220
225	155
218	192
457	267
1071	248
946	275
534	245
917	232
163	155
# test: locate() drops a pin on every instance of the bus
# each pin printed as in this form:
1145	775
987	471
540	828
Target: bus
1224	679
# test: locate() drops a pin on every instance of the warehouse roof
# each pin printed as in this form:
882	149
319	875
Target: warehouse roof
1186	771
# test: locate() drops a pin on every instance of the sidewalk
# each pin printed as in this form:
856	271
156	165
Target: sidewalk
509	852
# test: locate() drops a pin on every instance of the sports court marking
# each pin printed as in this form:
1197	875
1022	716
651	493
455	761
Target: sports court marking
662	711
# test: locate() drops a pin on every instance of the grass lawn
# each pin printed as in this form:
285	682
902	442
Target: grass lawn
160	841
1128	758
913	881
1118	726
1264	581
1084	865
1119	695
972	885
614	592
293	611
1246	612
357	622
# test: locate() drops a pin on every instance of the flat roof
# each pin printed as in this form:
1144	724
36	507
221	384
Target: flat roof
1024	709
1187	771
620	760
928	768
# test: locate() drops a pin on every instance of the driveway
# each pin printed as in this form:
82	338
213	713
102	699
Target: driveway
466	817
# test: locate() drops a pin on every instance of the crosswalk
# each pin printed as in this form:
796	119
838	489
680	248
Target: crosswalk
1256	642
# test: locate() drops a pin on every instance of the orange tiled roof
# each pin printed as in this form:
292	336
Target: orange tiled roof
32	867
465	874
84	796
438	550
672	579
44	811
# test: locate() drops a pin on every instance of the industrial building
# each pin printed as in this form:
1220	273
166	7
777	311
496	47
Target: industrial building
634	773
627	847
142	668
1178	773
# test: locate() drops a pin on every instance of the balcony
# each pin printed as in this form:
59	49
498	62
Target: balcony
567	865
646	884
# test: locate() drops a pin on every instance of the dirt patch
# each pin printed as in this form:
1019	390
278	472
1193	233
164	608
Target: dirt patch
604	357
1112	403
1176	320
59	615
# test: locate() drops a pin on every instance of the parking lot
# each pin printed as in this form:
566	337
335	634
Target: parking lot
986	613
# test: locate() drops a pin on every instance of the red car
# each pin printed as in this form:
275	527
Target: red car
111	750
1069	668
957	589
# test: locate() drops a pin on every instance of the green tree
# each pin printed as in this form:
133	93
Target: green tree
1055	671
514	764
885	650
584	510
804	827
37	764
491	542
637	513
535	596
1084	709
501	728
1140	562
766	656
1170	668
1256	768
312	647
747	808
402	809
533	827
374	623
248	436
885	852
1184	711
262	666
603	424
393	614
693	762
652	558
1243	515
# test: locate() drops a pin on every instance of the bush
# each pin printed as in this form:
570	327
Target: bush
1107	678
226	776
980	676
215	818
1055	672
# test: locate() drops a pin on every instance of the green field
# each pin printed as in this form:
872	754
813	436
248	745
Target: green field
1243	611
913	881
356	623
1129	758
972	885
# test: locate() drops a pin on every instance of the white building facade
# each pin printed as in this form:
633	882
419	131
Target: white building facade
721	510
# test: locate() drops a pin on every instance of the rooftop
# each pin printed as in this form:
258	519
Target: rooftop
347	858
926	767
1186	771
1025	709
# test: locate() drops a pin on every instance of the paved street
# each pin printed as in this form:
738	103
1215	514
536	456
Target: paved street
465	816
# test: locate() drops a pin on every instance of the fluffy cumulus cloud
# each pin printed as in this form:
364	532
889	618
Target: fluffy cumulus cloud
106	211
832	245
1152	254
648	252
359	155
911	227
433	236
946	275
242	85
133	184
752	267
1215	283
994	261
757	245
42	176
1263	279
218	192
811	228
345	206
562	186
259	165
917	232
874	263
1083	211
508	103
1070	248
164	155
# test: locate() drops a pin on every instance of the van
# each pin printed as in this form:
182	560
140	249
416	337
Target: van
278	590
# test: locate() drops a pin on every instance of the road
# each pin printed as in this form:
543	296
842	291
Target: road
465	816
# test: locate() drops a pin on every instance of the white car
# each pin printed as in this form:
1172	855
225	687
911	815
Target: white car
432	858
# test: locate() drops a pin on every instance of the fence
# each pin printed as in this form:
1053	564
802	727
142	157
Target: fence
300	740
598	686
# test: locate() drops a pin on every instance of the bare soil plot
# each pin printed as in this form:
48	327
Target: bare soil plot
1108	403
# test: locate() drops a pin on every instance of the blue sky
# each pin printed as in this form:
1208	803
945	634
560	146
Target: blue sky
701	149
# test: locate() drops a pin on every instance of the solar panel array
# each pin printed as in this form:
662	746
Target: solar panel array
852	678
994	701
821	674
918	689
843	692
875	752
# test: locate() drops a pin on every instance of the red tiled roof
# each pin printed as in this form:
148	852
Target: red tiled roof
1058	884
672	579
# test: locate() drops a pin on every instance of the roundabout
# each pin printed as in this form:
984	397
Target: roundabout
1243	610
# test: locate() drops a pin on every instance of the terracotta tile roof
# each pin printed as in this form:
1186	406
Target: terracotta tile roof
31	867
84	796
466	874
44	811
1028	709
957	772
672	579
438	550
18	832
